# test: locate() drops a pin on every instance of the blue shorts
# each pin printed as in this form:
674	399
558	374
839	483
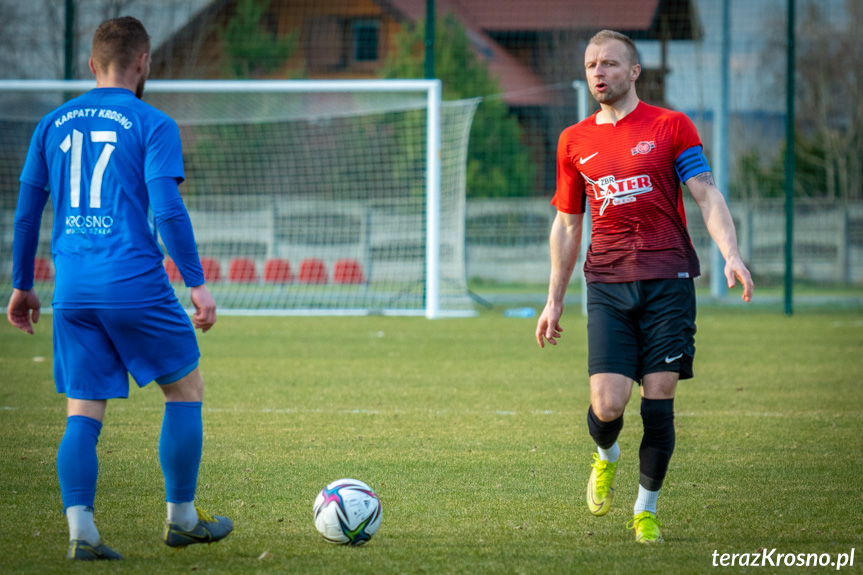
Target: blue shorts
95	350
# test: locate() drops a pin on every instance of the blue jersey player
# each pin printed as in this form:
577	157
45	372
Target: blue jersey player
112	165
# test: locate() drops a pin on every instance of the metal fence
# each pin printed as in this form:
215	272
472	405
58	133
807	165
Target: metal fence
507	240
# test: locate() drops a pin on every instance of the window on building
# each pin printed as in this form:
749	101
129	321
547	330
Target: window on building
365	40
335	43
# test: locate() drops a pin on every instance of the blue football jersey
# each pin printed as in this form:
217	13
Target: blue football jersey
96	154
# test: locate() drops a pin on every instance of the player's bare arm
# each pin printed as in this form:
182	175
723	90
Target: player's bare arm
705	178
564	243
24	307
720	225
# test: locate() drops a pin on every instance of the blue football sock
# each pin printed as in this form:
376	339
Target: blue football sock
180	449
77	464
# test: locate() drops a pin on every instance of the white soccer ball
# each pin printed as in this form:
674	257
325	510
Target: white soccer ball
347	512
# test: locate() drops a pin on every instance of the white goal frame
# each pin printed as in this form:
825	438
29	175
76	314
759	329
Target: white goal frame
431	88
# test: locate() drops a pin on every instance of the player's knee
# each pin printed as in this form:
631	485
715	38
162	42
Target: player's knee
189	388
94	409
604	433
657	415
606	409
657	412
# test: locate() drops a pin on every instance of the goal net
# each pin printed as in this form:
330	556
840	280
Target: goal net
306	197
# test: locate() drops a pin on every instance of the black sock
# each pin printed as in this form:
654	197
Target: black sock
657	444
604	433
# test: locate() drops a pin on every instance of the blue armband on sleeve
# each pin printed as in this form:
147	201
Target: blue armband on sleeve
691	163
25	235
174	224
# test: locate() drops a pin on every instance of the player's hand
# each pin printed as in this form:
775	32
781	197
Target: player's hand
24	306
548	325
205	308
735	270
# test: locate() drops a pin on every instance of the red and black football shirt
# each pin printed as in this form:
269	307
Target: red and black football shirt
627	174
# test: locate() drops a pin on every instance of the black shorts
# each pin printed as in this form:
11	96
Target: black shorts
641	327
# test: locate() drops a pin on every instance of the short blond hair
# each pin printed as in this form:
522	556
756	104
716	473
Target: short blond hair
605	35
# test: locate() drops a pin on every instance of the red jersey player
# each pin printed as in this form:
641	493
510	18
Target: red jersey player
627	173
626	163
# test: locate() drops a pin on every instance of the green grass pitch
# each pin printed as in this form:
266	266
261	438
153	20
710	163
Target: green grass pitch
475	440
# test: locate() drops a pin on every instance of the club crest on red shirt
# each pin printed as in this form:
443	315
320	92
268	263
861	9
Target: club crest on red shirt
643	147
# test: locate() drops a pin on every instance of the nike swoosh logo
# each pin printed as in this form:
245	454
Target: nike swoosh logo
596	505
202	537
669	359
584	160
198	535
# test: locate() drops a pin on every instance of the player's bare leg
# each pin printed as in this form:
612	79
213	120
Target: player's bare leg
609	394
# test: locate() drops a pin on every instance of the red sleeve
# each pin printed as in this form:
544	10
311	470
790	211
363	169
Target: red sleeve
569	196
686	135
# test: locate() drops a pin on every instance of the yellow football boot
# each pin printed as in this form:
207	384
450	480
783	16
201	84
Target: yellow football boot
646	527
600	493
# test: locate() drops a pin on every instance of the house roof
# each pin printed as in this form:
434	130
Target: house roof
540	15
640	19
521	85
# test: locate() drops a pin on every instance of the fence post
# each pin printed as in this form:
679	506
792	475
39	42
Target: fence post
789	163
842	239
69	44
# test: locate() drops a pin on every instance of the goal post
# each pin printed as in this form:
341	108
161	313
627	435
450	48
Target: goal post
362	174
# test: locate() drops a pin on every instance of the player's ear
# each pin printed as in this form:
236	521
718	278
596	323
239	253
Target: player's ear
635	72
92	66
142	62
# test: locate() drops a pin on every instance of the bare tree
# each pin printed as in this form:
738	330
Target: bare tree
828	99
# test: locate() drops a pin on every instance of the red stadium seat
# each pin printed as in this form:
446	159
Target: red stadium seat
212	270
172	270
243	270
43	272
348	271
278	271
313	271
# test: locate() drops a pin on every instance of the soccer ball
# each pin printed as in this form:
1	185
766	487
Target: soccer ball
347	512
